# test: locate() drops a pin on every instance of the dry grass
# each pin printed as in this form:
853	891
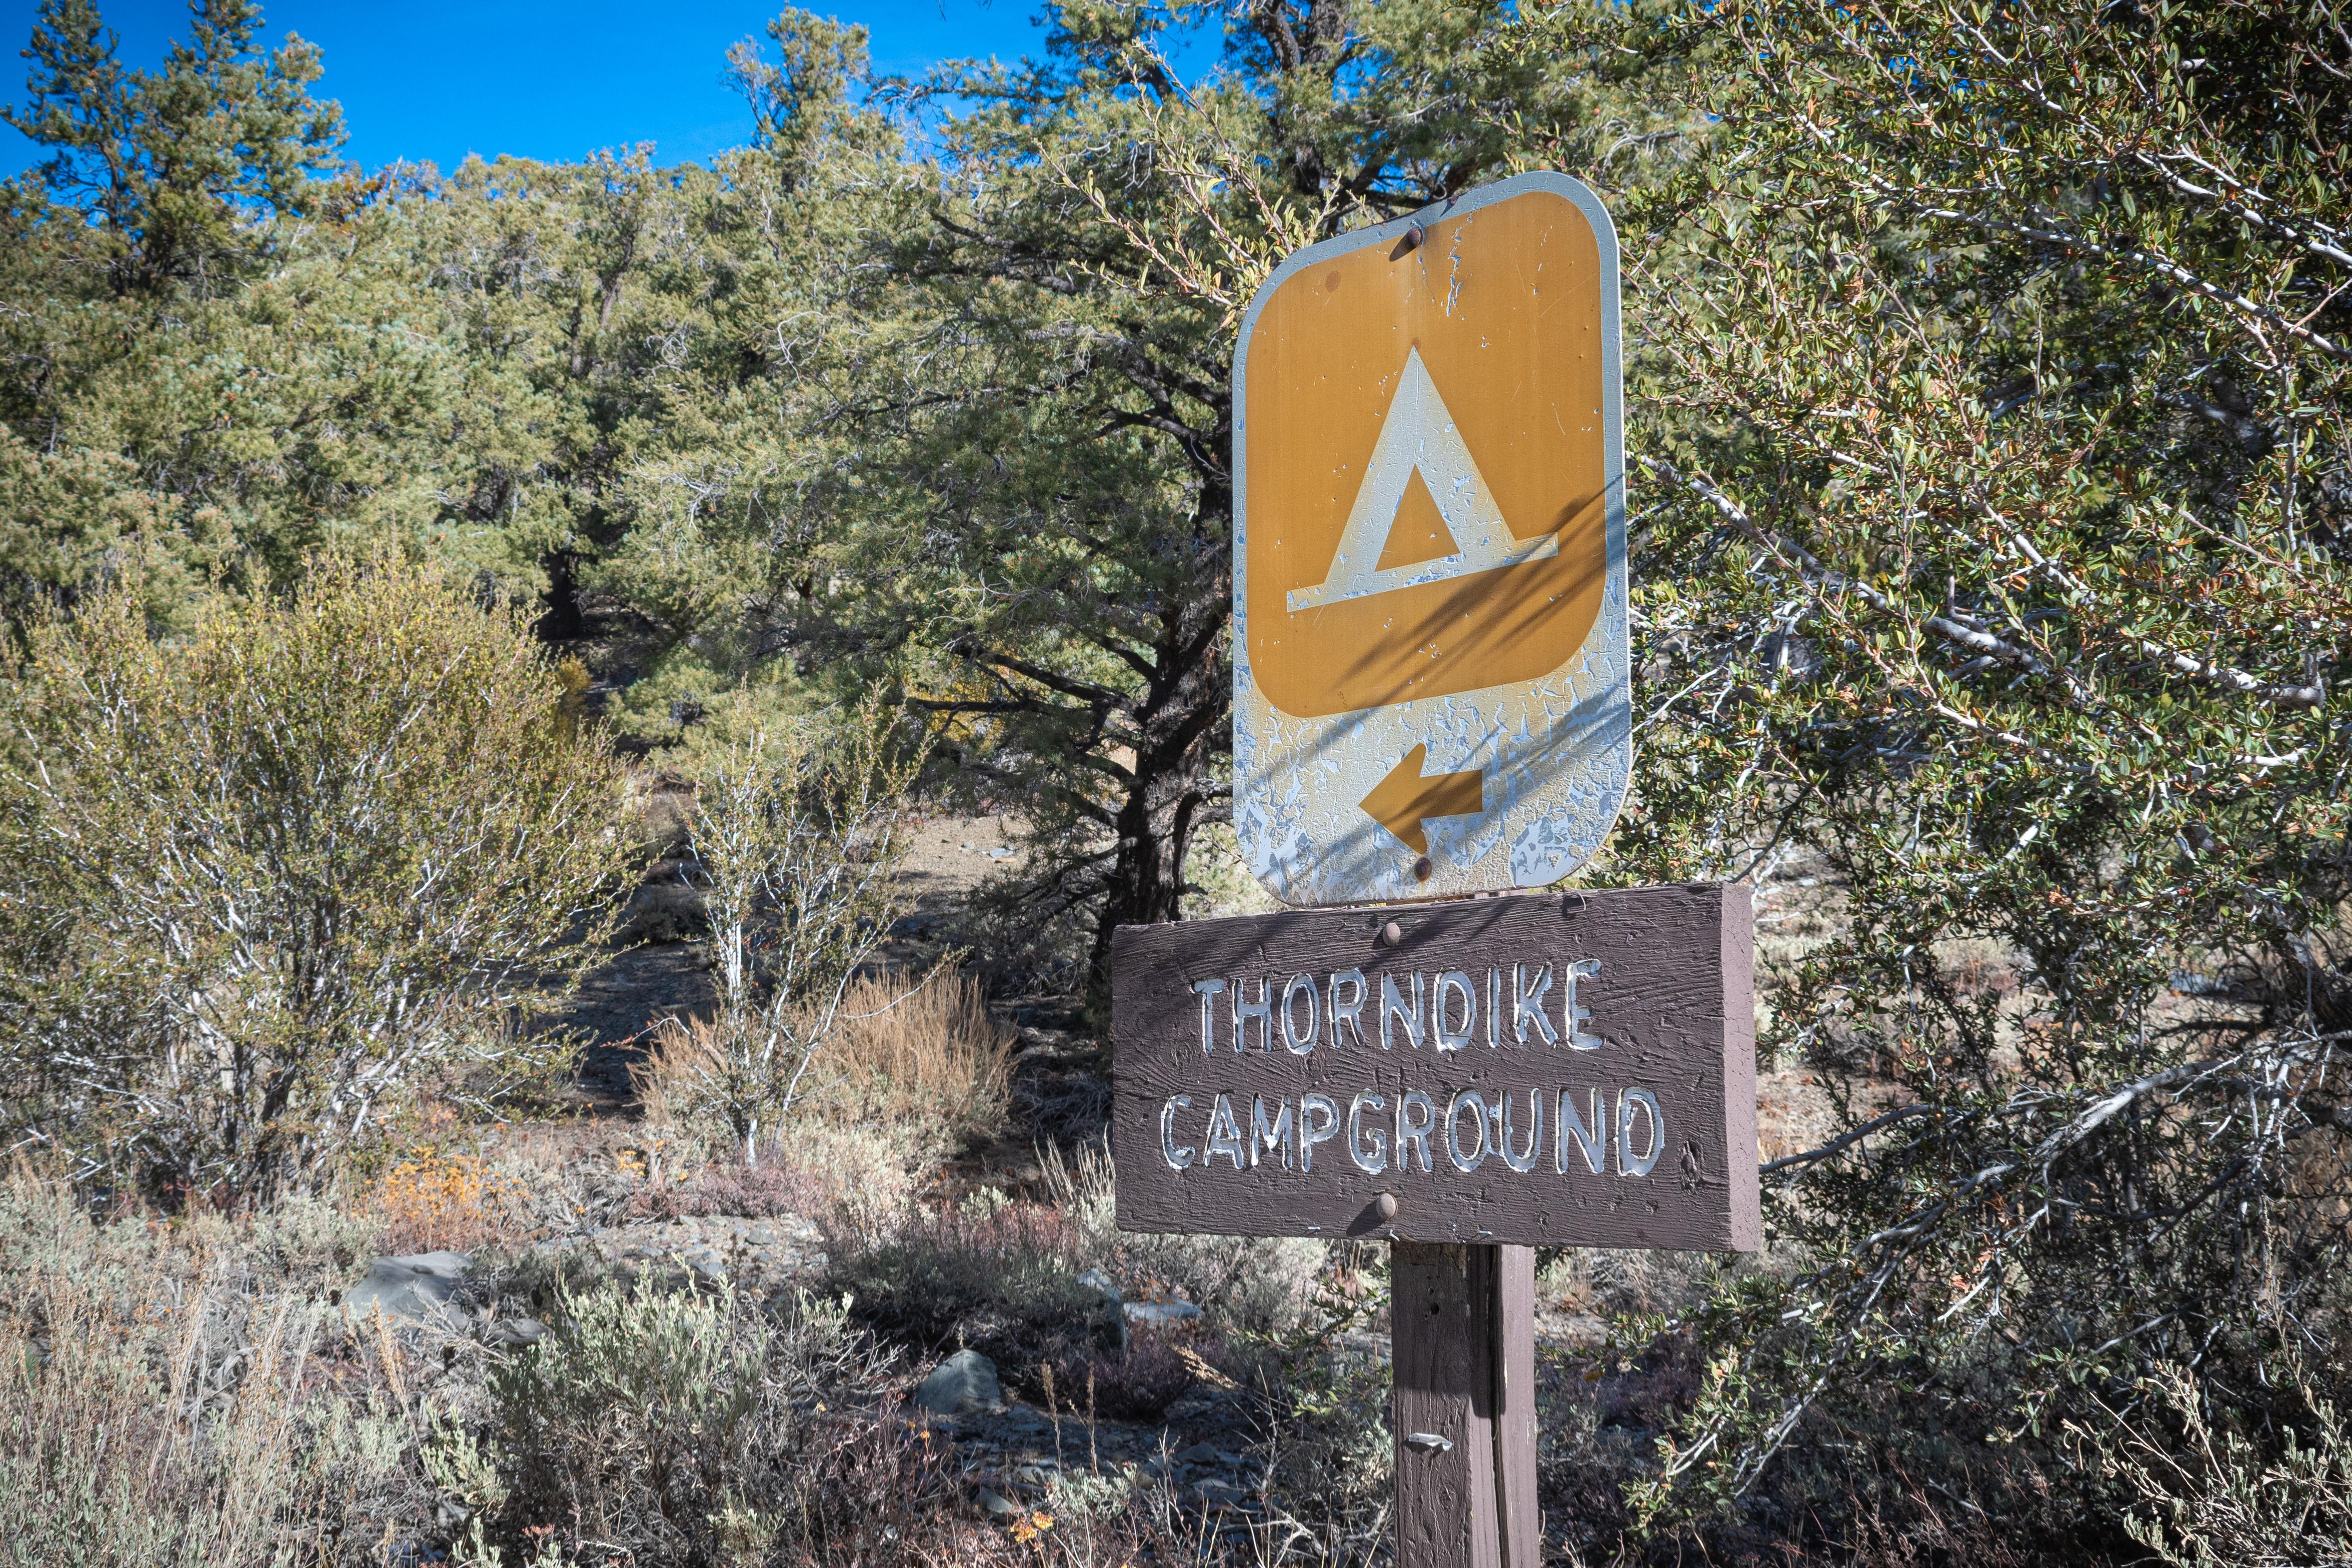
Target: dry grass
998	1275
1795	1111
888	1493
908	1076
180	1395
1258	1287
932	1055
683	1049
876	1166
181	1392
661	808
929	1056
755	1191
1611	1283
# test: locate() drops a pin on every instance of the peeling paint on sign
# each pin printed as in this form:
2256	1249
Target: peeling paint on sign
1431	678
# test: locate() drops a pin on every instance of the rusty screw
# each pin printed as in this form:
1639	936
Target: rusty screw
1422	868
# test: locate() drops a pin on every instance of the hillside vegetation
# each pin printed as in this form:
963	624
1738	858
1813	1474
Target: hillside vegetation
396	565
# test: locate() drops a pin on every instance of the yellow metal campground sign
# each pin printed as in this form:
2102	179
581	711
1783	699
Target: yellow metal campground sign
1430	689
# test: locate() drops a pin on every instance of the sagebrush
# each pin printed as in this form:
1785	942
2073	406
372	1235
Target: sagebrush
262	884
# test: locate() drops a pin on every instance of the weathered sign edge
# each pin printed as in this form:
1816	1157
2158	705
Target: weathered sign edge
1740	1071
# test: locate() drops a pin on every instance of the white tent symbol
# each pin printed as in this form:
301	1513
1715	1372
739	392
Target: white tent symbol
1419	434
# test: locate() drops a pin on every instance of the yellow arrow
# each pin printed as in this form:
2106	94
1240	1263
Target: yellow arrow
1400	801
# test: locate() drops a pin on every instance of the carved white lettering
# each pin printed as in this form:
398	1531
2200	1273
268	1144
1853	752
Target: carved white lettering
1628	1102
1374	1160
1350	1012
1319	1123
1261	1012
1524	1161
1415	1134
1468	1099
1224	1135
1384	1133
1266	1136
1208	990
1298	1043
1575	1016
1528	1004
1591	1136
1453	982
1392	1006
1177	1159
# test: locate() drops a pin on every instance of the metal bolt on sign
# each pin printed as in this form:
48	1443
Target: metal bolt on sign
1432	700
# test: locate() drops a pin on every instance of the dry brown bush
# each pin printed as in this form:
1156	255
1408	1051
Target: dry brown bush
928	1054
887	1492
934	1054
1256	1287
796	834
997	1275
1138	1383
753	1192
441	1200
665	1080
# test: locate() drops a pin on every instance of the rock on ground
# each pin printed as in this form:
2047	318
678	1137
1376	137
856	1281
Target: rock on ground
965	1380
1162	1313
417	1287
1107	1322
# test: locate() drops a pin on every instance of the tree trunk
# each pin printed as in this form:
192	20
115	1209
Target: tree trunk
1182	717
1146	878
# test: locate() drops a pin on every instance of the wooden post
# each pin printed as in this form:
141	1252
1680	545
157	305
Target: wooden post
1515	1404
1241	1106
1463	1327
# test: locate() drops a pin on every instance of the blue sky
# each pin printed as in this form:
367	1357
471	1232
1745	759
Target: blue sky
437	79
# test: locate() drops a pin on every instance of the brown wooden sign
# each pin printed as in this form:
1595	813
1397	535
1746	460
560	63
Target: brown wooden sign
1552	1068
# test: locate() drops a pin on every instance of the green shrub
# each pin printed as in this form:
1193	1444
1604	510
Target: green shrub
260	884
669	1422
1991	465
2203	1493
